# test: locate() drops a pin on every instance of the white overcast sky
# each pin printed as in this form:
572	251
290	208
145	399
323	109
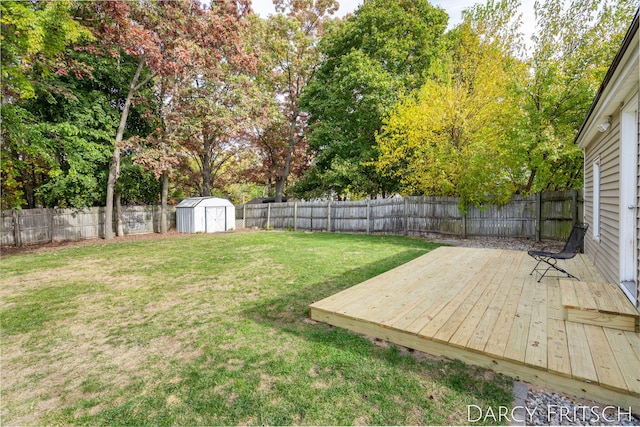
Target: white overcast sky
452	7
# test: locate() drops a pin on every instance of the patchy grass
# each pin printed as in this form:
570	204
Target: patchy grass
214	330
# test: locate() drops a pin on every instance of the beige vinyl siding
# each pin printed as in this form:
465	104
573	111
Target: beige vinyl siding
638	213
605	250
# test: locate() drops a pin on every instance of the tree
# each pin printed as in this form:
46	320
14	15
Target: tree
33	39
290	56
34	36
492	122
56	144
168	38
158	152
572	50
211	113
451	137
371	60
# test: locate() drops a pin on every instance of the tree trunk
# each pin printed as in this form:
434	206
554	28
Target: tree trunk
280	180
165	196
114	169
206	169
119	226
111	184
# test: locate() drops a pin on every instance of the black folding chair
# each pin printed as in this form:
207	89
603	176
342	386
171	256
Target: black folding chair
571	248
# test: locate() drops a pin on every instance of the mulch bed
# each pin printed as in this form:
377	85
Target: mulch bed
519	244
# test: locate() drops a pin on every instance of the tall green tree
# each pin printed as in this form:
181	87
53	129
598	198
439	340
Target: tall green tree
371	59
208	124
450	137
56	145
33	39
498	117
573	47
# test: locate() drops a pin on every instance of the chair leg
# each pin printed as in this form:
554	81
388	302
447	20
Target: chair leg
569	275
536	267
544	274
552	263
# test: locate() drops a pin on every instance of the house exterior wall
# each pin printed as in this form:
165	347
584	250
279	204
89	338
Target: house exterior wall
638	206
615	251
604	249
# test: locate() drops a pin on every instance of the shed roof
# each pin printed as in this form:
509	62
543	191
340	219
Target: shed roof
259	200
203	201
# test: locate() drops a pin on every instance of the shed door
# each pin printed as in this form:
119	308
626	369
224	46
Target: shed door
215	219
628	199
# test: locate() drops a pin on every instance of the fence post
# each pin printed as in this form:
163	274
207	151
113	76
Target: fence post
368	218
406	219
464	224
17	238
538	208
295	216
574	207
268	216
51	223
329	216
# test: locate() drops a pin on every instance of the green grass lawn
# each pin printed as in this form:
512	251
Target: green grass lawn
214	330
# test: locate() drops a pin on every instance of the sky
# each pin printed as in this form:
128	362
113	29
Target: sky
452	7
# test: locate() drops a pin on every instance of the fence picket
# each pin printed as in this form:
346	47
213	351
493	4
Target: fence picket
547	216
32	226
543	216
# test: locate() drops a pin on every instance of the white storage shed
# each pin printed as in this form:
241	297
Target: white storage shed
205	215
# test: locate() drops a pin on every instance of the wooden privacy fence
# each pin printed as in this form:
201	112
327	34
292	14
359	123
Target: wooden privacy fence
541	216
25	227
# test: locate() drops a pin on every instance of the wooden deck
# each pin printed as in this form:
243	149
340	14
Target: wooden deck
481	306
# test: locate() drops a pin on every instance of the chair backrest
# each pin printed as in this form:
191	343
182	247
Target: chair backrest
575	238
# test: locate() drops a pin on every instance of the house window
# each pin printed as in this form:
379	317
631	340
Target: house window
596	199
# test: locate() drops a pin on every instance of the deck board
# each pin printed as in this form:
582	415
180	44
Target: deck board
416	318
457	329
415	315
486	325
536	352
446	308
516	347
558	359
626	357
497	345
609	374
468	326
605	305
483	307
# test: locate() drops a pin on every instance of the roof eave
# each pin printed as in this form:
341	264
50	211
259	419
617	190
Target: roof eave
626	42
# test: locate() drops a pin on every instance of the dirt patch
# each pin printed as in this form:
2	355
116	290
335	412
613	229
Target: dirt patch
52	246
511	243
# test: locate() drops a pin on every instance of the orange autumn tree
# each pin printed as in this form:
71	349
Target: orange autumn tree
169	38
